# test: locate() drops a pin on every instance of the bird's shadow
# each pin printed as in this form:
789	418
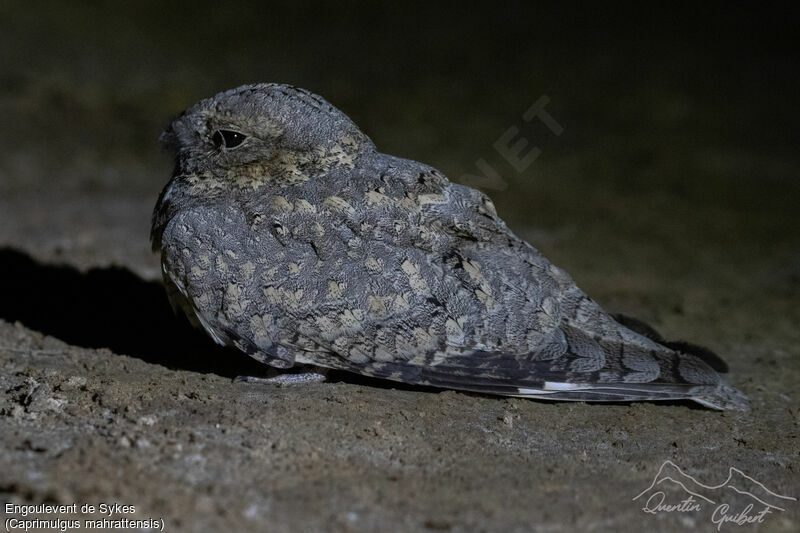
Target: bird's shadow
109	308
116	309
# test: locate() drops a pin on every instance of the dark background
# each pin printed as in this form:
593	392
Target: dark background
687	107
678	158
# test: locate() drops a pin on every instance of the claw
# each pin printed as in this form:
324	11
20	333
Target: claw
285	379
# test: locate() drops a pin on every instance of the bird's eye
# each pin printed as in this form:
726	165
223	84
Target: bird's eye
228	138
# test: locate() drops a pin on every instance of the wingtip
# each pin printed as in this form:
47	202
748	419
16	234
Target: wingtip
723	397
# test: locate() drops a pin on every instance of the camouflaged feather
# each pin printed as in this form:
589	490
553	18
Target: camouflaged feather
307	245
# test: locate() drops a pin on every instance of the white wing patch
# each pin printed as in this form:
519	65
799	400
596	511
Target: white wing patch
552	387
534	392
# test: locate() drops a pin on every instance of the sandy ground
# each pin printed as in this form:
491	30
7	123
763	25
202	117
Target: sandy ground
671	196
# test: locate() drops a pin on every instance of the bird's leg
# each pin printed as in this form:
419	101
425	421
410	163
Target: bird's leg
315	375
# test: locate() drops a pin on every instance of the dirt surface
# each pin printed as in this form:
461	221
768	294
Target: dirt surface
671	195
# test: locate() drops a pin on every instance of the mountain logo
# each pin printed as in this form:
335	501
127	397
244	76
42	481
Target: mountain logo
739	500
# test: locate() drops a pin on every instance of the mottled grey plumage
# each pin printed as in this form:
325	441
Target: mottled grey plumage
303	244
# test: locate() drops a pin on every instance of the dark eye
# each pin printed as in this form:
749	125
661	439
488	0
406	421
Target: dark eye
228	138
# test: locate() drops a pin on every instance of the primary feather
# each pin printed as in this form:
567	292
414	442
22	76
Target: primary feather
305	244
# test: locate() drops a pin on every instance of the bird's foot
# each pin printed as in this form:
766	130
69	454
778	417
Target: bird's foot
285	379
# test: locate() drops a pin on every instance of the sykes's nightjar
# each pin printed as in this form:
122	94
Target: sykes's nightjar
284	232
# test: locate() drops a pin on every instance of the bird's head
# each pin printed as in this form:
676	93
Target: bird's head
262	128
253	137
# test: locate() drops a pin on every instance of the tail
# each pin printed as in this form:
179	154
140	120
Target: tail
642	328
722	396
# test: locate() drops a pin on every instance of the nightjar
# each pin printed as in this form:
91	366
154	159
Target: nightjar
285	233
